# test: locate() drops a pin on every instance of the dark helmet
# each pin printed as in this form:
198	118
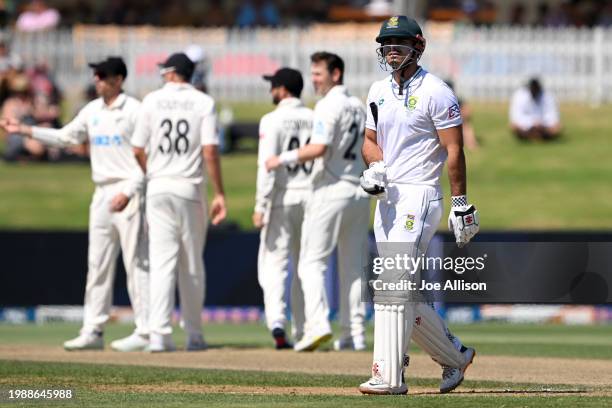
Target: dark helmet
399	27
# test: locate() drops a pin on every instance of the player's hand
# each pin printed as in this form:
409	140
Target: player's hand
373	179
258	219
218	210
463	220
273	163
119	202
10	125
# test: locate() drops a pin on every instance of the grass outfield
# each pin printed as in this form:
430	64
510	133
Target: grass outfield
109	385
560	185
529	340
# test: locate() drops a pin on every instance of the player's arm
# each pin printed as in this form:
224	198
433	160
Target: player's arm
370	150
210	151
373	180
141	157
142	135
463	219
446	117
268	146
451	140
323	125
305	153
75	132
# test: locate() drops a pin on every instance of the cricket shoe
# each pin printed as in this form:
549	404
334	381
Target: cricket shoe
133	342
453	377
280	339
356	343
160	343
85	341
196	343
312	342
377	386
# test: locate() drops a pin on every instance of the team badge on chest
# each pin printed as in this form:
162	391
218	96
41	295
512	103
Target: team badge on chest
412	102
409	225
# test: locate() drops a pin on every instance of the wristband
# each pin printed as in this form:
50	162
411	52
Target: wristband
289	157
459	201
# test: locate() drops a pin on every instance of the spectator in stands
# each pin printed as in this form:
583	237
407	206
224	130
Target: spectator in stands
47	97
533	113
19	105
38	17
258	13
517	14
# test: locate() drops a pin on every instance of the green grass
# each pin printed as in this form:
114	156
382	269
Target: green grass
535	186
104	385
531	340
84	378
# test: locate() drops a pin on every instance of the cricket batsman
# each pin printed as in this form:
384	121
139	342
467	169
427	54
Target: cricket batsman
413	126
280	202
115	213
175	137
338	211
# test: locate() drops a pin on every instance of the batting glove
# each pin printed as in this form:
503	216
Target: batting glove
373	179
463	220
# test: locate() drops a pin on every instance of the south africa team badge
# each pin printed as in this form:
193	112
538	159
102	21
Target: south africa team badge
409	225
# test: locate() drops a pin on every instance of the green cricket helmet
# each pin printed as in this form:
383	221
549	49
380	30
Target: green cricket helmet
399	27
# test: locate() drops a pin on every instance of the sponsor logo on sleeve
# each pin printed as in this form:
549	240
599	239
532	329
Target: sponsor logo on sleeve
454	111
319	128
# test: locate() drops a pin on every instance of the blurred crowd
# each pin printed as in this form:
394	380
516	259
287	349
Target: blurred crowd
37	15
578	13
29	93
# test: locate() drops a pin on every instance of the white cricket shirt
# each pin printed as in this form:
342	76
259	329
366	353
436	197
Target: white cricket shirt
339	123
109	129
174	123
407	125
526	113
287	127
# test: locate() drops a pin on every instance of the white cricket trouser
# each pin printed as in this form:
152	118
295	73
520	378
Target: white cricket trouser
279	245
412	214
327	223
109	232
177	234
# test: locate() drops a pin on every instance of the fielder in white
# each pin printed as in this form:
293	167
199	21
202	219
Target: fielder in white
175	136
115	216
280	203
413	125
338	212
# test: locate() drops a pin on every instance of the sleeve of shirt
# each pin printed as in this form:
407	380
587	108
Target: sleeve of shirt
209	134
370	124
75	132
444	108
137	178
323	124
142	129
268	147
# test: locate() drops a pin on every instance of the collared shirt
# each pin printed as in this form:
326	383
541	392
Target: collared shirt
109	130
339	121
174	123
408	123
287	127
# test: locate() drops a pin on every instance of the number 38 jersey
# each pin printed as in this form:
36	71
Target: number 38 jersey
288	127
339	123
174	123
